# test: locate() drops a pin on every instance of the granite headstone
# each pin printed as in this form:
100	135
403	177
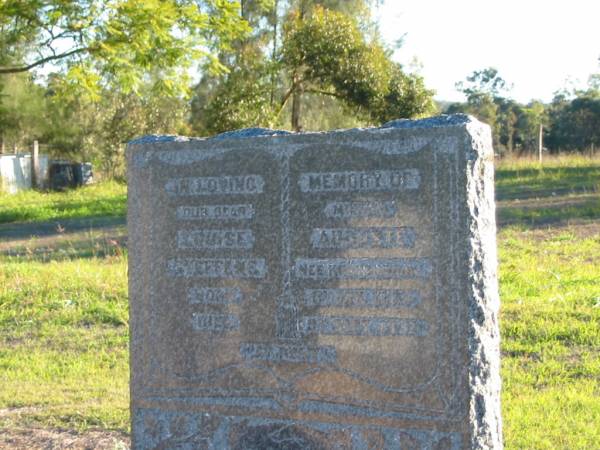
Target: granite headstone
315	291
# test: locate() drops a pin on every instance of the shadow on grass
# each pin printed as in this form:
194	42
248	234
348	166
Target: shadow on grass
66	210
95	248
553	213
15	231
545	182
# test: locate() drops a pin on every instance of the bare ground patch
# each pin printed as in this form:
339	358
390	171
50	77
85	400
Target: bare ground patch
583	229
92	240
48	439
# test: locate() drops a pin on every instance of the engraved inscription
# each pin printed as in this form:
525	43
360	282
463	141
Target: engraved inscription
322	294
376	180
217	267
216	212
363	268
363	326
215	322
348	210
199	239
294	353
155	428
215	295
362	298
225	185
371	237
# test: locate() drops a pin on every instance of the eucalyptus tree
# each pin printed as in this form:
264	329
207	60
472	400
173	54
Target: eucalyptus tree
326	54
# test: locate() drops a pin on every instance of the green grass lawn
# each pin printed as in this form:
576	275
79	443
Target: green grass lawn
518	179
550	291
104	199
64	340
63	313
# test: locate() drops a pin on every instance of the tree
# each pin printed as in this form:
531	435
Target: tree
116	40
246	93
483	82
81	127
485	91
529	120
243	98
576	123
22	106
594	82
324	53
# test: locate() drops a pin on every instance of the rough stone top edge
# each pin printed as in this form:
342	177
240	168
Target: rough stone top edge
160	138
444	120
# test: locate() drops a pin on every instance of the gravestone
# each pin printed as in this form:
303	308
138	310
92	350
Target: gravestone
315	291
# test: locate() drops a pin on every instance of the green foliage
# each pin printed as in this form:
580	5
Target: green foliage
122	70
323	53
22	106
245	96
529	119
576	123
482	90
571	122
117	41
242	99
84	127
324	112
480	83
326	53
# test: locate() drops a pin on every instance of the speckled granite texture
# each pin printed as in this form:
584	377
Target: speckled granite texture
315	291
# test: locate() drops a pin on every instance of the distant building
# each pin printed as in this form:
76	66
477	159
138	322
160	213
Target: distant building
15	172
55	174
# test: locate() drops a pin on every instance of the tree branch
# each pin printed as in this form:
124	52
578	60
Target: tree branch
42	61
287	95
285	99
319	91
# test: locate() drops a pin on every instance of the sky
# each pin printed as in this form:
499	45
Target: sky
537	46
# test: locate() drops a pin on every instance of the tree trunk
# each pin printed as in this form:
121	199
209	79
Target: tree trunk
274	50
35	165
296	98
540	143
2	145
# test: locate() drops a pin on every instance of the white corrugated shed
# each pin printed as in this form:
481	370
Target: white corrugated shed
15	172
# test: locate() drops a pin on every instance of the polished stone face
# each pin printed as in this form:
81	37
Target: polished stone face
315	291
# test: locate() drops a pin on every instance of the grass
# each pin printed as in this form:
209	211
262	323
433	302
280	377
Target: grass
103	199
64	340
549	255
550	291
518	179
63	312
559	191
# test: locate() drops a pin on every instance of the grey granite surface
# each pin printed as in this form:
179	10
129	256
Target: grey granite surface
316	290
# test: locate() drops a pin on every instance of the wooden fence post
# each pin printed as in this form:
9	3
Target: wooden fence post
540	143
35	165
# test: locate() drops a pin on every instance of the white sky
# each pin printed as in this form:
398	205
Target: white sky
536	45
